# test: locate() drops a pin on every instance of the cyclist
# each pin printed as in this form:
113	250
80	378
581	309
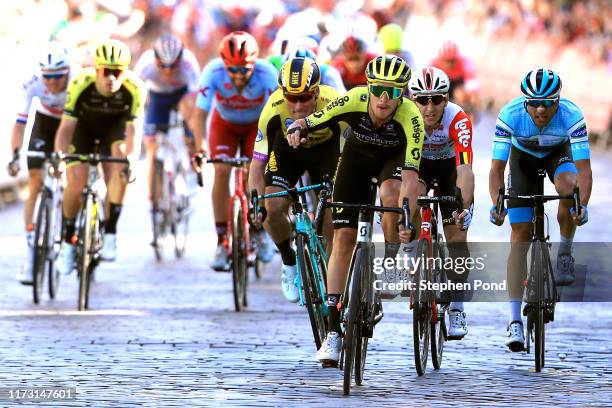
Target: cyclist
386	143
171	74
299	95
103	103
391	37
539	130
50	88
447	157
329	75
240	84
352	60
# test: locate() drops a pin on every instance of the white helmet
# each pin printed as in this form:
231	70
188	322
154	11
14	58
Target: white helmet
429	81
168	49
55	58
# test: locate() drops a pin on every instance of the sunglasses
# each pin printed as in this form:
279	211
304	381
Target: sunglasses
53	76
116	72
238	69
303	97
168	66
391	91
536	103
435	99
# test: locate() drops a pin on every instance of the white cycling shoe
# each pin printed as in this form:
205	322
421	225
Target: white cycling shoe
65	258
290	289
265	247
220	261
109	247
329	353
458	325
516	337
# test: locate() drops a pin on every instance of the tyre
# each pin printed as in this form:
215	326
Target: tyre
313	298
367	314
353	323
438	329
41	246
180	226
84	252
538	306
158	215
421	310
239	256
55	242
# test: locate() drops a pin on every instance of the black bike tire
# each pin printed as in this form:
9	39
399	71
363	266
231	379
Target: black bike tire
85	257
367	302
312	300
352	327
56	237
238	256
420	313
438	329
538	308
40	247
158	172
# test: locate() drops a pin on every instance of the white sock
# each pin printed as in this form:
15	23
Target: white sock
456	306
515	310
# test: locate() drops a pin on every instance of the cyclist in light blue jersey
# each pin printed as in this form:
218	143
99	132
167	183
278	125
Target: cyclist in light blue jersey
539	130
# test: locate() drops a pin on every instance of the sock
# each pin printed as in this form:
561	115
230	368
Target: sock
515	310
334	314
113	216
565	247
221	228
456	306
391	249
287	253
68	229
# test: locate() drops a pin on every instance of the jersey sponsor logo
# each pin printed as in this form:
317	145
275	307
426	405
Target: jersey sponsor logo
338	102
581	146
363	98
318	114
29	82
416	136
416	153
272	166
259	137
582	131
239	102
204	90
501	146
275	104
501	132
464	133
228	86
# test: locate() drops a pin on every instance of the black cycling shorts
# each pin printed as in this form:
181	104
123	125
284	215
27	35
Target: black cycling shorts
445	172
358	164
85	136
523	180
42	138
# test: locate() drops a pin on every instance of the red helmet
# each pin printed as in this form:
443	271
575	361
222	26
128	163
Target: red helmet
449	50
238	48
353	45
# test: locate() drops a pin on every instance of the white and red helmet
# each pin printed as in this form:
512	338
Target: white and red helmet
429	81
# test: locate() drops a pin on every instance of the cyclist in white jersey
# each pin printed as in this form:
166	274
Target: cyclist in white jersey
447	157
49	87
171	74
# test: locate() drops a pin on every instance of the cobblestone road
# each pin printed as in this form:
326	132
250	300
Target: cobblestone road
161	335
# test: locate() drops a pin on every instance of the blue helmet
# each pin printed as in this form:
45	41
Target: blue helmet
300	52
541	83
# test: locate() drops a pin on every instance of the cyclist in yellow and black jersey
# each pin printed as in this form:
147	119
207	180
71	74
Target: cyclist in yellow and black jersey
299	95
103	105
386	143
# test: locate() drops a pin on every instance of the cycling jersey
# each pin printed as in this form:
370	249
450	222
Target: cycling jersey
460	71
516	128
186	74
452	139
404	129
275	119
352	79
233	106
51	104
85	103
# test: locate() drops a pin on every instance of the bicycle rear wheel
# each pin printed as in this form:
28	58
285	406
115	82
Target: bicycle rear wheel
181	207
438	329
313	298
239	256
421	309
55	238
41	246
353	327
158	214
85	258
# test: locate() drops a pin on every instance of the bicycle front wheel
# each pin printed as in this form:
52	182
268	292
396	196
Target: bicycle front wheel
41	246
55	239
438	324
158	212
85	253
421	308
353	327
538	305
313	298
239	256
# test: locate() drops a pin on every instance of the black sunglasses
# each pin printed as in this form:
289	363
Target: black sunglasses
116	72
435	99
295	98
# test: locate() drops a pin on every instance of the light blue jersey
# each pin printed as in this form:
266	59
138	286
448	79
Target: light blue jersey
516	128
217	89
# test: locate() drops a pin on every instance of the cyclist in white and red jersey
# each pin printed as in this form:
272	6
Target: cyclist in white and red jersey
447	158
171	74
49	87
233	90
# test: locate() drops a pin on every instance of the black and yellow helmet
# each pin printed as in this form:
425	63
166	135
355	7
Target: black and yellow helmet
299	75
388	68
113	53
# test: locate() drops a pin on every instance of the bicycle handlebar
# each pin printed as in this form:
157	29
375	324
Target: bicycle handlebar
94	159
200	159
500	207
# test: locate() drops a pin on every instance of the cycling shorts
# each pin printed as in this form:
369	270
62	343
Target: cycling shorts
159	105
225	136
523	180
84	139
42	138
445	172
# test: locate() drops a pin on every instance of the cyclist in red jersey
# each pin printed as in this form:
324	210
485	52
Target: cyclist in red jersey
352	60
